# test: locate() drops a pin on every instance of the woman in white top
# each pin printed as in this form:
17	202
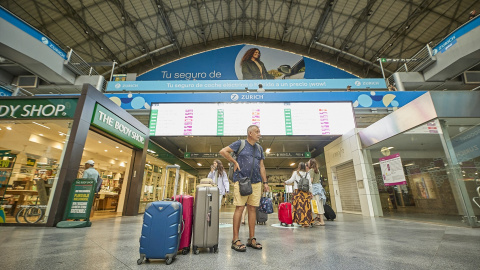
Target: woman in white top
317	191
302	209
220	179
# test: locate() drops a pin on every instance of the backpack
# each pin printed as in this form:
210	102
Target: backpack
303	184
231	165
99	184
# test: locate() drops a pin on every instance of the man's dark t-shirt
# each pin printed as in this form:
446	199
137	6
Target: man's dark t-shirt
245	161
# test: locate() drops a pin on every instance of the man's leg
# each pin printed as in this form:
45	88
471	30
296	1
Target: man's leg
252	220
237	216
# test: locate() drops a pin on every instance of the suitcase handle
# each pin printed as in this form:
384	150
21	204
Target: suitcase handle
209	217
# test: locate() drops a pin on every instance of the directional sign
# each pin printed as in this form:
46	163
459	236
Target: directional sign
289	155
402	60
201	155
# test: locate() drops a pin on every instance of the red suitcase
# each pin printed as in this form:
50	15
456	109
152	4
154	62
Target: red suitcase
285	212
186	237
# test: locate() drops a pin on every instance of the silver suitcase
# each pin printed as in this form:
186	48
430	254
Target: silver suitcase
205	218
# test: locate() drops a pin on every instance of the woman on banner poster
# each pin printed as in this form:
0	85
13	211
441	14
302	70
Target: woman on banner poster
252	67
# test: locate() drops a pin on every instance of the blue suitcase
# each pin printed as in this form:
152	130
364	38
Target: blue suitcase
161	231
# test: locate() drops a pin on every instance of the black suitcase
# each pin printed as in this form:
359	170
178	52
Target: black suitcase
261	217
329	213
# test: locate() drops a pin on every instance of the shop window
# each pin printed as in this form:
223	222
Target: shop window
30	159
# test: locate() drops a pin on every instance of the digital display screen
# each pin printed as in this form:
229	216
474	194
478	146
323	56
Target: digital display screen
233	119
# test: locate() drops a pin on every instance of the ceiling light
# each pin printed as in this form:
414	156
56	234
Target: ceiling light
116	147
268	150
40	134
9	128
121	150
291	164
39	125
106	150
99	142
199	164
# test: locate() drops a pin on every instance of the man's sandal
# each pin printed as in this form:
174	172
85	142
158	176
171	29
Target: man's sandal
239	248
257	245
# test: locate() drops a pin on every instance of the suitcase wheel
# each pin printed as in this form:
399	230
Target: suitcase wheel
142	257
215	249
168	260
195	250
185	251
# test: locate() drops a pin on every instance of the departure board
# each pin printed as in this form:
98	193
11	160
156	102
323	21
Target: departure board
233	119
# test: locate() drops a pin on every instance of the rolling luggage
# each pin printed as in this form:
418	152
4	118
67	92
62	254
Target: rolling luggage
329	213
205	218
162	225
261	217
285	213
186	238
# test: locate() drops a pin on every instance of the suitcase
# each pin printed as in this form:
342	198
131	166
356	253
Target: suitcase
285	213
329	213
186	238
261	217
205	218
162	224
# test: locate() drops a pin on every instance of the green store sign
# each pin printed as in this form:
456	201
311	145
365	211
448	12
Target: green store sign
37	108
112	124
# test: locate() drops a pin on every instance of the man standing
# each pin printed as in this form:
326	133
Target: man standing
243	168
90	172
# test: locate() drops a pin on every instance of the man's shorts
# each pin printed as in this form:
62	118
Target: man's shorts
252	199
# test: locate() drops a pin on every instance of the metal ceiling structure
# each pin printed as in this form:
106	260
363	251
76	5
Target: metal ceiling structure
142	35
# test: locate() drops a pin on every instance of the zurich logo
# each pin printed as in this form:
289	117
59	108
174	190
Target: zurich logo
45	40
117	85
234	97
358	83
435	51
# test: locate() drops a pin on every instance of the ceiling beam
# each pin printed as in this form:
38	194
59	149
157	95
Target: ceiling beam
198	6
128	21
285	26
72	13
166	24
361	20
327	8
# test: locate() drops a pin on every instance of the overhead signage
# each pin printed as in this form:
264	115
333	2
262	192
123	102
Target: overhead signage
31	162
112	124
396	60
234	63
451	39
15	21
4	92
370	99
232	119
201	155
289	155
392	170
248	85
37	108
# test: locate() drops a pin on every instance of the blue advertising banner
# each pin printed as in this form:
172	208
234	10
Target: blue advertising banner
5	93
252	85
9	17
370	99
451	39
236	63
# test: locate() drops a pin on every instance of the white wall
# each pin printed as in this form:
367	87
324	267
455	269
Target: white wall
347	148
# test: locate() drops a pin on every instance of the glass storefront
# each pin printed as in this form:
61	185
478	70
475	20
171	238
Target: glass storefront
440	163
111	160
30	159
157	187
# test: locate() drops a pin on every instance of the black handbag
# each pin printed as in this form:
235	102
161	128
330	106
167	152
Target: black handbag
245	184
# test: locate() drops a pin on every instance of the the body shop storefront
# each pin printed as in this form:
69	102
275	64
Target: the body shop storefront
44	144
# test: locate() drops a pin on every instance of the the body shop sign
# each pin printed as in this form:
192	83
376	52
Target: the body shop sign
112	124
37	108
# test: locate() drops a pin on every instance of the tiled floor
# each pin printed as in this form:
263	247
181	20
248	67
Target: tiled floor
350	242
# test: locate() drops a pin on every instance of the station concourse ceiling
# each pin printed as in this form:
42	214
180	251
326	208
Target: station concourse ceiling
143	34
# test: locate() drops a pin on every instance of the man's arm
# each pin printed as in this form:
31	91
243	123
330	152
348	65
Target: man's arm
263	174
225	152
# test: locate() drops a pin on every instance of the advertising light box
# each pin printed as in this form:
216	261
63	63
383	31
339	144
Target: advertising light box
233	119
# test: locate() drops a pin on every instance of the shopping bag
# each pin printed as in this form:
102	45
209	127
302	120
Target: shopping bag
266	205
314	206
